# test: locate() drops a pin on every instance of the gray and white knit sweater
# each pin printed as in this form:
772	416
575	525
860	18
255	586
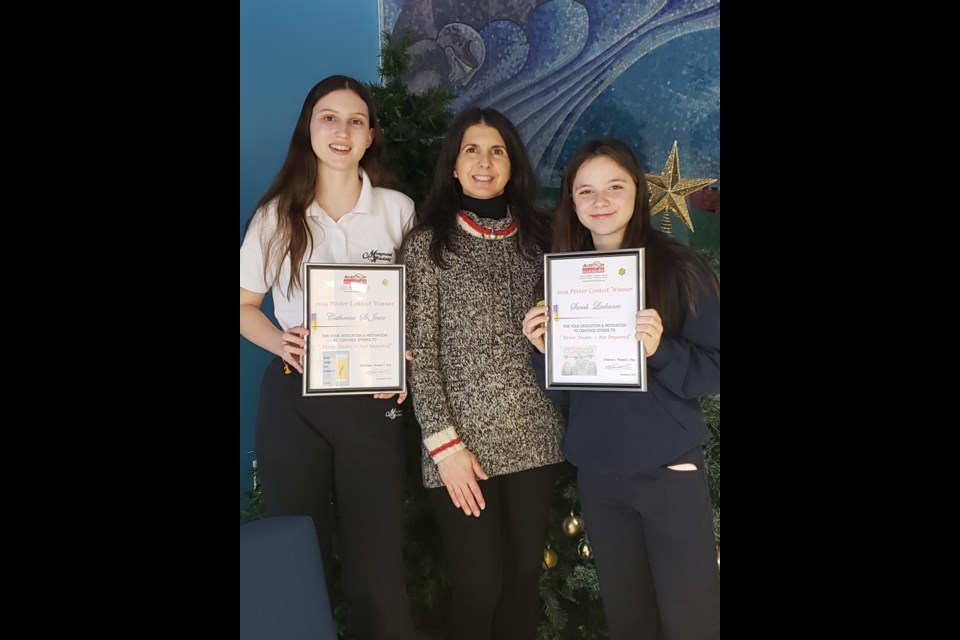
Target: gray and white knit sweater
470	376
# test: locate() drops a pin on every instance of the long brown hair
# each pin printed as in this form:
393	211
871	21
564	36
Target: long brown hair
295	186
669	264
439	211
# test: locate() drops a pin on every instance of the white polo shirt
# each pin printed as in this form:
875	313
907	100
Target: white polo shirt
371	232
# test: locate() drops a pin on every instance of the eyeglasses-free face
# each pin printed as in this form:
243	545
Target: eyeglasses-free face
483	166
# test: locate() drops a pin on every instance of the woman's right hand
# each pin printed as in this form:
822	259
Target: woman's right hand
293	347
535	326
459	473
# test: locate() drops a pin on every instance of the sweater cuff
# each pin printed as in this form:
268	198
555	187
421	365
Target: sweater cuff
662	357
443	444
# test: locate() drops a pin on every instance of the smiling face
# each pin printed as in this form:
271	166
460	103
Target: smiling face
340	131
483	166
604	195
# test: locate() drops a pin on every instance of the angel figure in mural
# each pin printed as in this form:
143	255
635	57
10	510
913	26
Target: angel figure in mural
448	48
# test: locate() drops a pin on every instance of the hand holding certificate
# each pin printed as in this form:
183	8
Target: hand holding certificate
355	315
592	299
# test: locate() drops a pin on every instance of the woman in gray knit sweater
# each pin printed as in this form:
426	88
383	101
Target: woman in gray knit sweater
491	438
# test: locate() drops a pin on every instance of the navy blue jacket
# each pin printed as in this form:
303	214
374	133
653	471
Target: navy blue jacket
623	431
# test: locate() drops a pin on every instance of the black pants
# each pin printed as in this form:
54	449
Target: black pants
652	537
494	561
309	448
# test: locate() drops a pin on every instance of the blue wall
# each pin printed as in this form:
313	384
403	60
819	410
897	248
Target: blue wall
286	46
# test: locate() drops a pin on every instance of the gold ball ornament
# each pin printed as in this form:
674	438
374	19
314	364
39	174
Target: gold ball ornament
549	558
572	525
584	549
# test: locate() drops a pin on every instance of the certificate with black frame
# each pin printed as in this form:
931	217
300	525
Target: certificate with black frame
593	298
356	317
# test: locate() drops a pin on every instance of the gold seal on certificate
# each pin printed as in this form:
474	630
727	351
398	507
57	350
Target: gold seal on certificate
356	317
593	297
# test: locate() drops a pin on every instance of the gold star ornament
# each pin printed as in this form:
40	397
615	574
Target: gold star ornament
668	191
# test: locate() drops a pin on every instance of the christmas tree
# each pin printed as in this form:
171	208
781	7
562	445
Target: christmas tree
413	123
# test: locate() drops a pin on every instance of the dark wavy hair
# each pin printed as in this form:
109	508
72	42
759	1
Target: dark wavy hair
439	211
669	264
295	186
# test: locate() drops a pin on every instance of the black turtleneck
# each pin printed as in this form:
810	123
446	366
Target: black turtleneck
494	208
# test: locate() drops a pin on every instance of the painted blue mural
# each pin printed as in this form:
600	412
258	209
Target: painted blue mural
566	71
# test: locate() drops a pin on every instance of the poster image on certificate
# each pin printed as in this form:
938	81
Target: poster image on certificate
356	317
593	298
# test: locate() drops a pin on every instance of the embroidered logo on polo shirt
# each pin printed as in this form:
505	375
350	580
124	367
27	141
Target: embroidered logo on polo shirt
394	413
375	255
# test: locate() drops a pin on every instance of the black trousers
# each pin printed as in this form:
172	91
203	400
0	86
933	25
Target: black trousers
310	448
494	561
652	537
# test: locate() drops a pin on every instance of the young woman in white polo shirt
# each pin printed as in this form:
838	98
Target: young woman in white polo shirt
328	204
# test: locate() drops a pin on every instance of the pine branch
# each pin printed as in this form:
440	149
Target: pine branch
255	509
413	124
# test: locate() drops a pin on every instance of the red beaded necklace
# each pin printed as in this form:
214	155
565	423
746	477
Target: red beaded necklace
474	228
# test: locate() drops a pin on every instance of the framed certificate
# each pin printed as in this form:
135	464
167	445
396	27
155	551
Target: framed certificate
593	297
356	317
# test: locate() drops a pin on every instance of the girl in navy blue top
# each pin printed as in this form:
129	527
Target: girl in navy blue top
640	466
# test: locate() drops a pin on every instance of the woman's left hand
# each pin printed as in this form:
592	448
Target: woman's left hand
649	330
